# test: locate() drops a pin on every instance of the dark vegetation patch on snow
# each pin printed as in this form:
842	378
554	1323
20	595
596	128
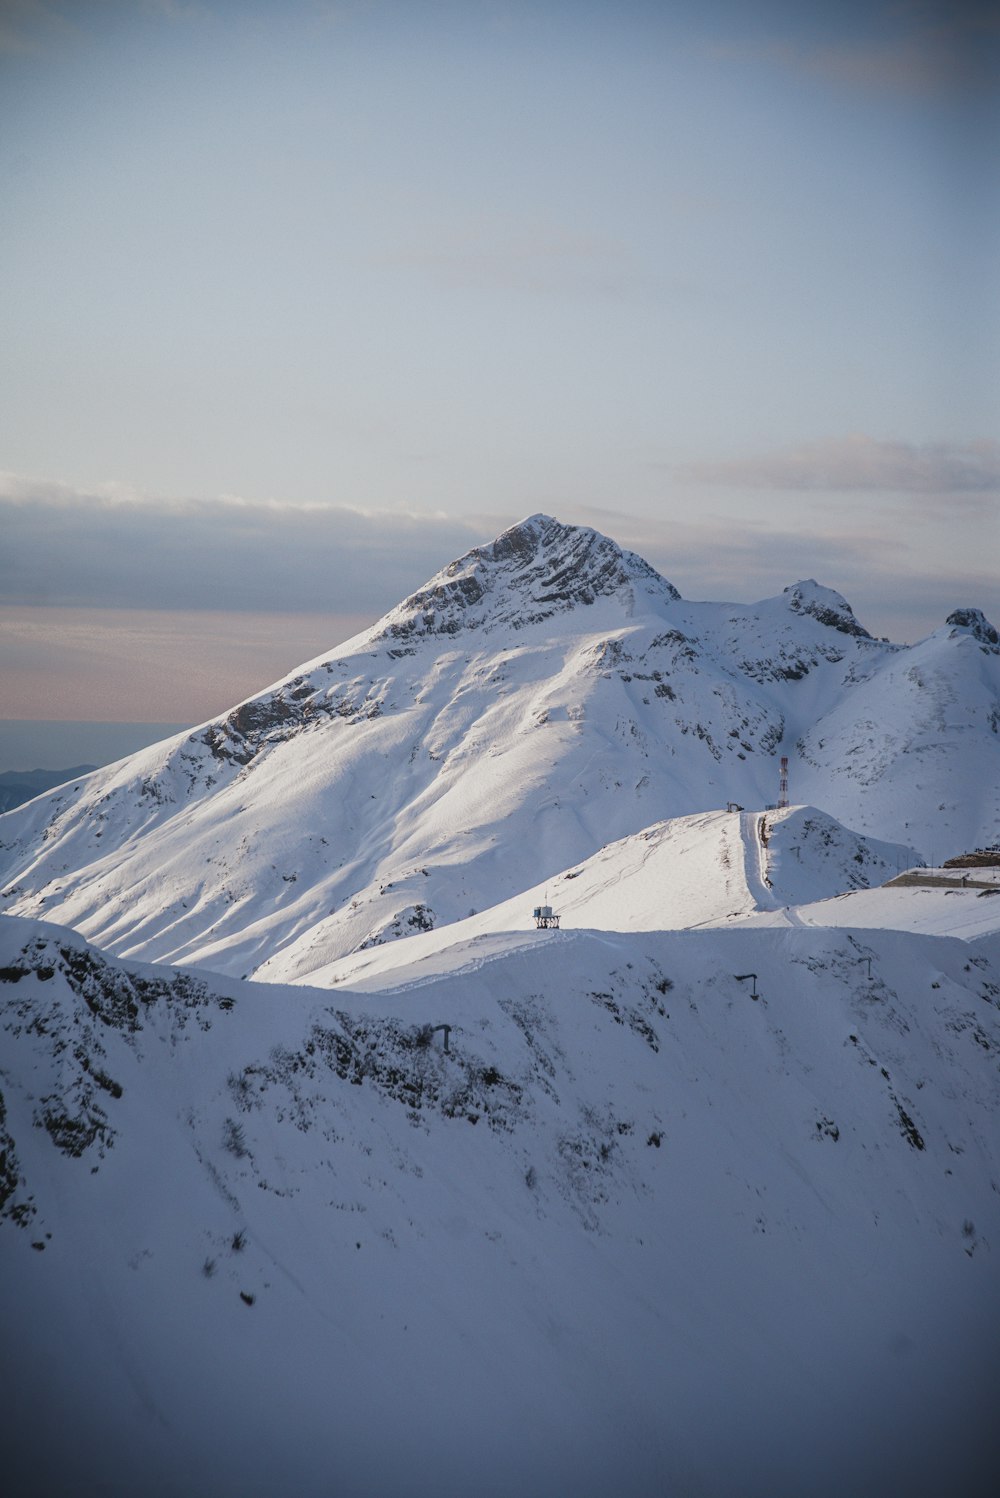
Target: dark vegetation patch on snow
400	1062
76	1087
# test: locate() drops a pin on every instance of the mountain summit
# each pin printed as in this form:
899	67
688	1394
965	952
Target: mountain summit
543	696
977	625
531	572
826	606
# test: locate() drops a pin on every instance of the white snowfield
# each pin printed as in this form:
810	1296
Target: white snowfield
701	870
931	902
622	1228
697	1196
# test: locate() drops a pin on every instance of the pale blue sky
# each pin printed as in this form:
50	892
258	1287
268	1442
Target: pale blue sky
720	279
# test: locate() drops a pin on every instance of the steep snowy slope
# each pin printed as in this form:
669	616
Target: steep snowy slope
632	1232
543	696
690	871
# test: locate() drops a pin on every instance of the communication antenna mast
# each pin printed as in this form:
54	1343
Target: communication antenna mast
783	783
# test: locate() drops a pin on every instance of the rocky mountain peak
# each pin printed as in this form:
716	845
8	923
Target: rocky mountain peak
536	569
975	623
826	606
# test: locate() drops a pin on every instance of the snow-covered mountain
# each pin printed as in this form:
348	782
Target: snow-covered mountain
632	1224
698	1195
917	743
542	697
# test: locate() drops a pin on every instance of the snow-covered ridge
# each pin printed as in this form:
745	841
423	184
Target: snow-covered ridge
602	1201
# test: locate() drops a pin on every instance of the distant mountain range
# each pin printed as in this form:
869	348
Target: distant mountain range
539	698
18	786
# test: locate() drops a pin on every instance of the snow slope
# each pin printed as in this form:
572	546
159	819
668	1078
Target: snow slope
542	697
934	901
691	871
918	736
633	1232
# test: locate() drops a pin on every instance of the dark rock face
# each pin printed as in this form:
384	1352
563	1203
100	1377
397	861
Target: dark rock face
977	624
826	607
78	1009
266	721
259	717
534	570
982	858
19	1211
440	609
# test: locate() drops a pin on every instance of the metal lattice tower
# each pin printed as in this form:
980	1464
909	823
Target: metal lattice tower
783	783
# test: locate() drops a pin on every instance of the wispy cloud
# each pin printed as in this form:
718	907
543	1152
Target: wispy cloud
28	26
921	48
95	664
116	545
118	604
176	10
859	462
509	255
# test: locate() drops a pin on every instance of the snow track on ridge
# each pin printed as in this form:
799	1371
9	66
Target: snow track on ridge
755	860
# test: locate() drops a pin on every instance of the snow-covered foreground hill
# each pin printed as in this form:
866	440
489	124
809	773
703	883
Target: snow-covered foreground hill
634	1231
544	696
